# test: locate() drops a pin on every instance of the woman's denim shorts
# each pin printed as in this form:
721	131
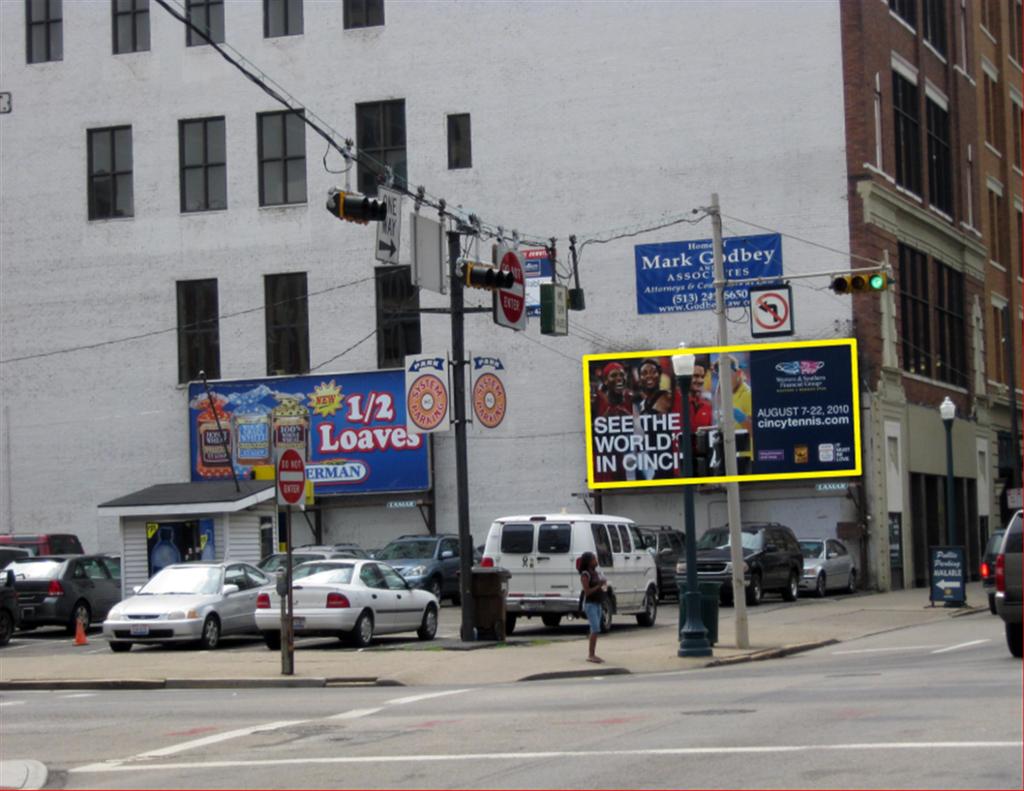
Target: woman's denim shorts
593	611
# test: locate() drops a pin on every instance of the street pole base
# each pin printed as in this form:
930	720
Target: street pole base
694	644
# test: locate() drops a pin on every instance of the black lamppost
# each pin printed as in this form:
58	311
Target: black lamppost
693	636
948	411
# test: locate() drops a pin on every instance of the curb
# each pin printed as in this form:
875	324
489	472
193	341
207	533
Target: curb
771	653
607	671
197	683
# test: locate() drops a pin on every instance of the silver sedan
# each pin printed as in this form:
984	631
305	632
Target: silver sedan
828	564
187	602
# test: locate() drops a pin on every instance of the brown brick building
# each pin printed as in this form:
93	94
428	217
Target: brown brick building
932	104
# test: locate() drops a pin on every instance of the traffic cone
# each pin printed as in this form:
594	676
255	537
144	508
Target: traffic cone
80	634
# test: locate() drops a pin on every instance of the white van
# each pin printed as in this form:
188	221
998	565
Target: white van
541	551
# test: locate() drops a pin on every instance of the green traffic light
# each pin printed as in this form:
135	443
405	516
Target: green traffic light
876	282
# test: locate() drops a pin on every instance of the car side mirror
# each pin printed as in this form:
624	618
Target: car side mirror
227	590
447	554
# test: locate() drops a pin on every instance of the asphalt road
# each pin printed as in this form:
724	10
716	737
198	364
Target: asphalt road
936	706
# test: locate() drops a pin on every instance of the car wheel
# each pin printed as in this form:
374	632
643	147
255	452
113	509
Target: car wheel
754	591
792	590
851	586
510	624
273	640
362	634
820	586
6	627
120	648
551	621
79	613
210	638
992	603
650	613
434	587
1015	639
428	626
606	616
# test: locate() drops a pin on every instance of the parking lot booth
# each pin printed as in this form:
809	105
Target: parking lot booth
175	522
490	587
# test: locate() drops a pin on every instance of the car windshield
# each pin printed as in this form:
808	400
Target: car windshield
273	563
412	550
811	549
35	569
198	579
718	538
335	576
308	569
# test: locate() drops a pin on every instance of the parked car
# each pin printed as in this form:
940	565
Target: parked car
772	561
347	548
188	602
63	590
271	564
352	601
828	563
540	552
668	547
988	567
8	554
1010	586
8	608
45	543
427	562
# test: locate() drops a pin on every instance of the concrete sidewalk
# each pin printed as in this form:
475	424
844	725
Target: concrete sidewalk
775	629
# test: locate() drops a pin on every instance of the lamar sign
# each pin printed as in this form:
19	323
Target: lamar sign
795	407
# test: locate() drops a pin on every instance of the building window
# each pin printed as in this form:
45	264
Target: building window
398	318
914	301
951	355
45	30
460	148
935	24
110	173
990	15
287	324
998	352
908	133
995	220
282	18
905	10
1017	121
131	26
380	135
991	117
940	159
1016	19
208	16
198	330
203	168
282	158
363	13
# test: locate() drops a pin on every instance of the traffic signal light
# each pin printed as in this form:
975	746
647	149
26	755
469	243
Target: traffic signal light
483	276
354	207
859	283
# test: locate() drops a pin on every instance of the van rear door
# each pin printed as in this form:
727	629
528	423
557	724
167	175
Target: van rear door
555	568
515	550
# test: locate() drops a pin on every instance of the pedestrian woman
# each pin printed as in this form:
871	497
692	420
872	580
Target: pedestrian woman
595	587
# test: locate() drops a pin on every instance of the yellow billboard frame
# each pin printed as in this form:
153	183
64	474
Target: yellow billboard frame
851	343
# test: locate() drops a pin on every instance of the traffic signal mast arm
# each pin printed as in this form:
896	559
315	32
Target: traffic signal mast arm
875	278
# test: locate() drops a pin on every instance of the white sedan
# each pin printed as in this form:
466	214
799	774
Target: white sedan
352	601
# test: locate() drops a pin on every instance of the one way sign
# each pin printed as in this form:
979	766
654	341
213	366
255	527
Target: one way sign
389	232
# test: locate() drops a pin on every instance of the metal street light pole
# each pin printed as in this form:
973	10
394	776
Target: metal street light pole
732	490
693	635
948	411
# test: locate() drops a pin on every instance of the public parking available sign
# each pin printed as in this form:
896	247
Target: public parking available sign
291	477
510	303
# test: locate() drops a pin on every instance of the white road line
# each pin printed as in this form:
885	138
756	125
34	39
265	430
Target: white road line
881	650
12	703
962	645
540	756
428	696
81	695
214	738
354	714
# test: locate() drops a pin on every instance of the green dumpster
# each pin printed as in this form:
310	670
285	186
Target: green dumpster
708	607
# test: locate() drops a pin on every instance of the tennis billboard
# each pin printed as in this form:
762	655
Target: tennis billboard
795	408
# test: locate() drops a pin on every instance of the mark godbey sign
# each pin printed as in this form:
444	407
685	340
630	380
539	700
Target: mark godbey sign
795	407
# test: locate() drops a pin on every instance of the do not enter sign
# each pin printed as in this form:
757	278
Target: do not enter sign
510	307
291	478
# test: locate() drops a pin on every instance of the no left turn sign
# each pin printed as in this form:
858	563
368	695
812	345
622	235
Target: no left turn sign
771	311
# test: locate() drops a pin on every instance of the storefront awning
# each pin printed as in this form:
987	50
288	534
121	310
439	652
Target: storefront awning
206	497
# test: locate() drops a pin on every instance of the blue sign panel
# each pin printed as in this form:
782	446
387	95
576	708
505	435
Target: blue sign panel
350	429
672	277
948	574
800	408
537	269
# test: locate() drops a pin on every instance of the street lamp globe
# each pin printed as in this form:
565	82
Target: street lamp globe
947	409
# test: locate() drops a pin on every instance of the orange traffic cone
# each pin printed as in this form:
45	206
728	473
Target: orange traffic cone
80	634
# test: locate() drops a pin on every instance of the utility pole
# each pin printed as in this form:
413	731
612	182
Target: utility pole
467	632
732	489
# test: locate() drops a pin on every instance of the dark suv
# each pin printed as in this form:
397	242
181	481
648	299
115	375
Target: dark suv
667	546
988	567
427	562
1010	586
8	607
772	561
